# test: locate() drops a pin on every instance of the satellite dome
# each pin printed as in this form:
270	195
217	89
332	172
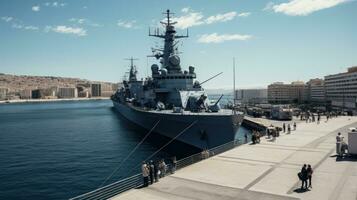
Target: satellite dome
174	60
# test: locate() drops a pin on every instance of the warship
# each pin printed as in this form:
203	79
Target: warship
171	102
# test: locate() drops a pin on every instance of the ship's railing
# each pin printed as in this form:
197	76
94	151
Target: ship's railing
136	181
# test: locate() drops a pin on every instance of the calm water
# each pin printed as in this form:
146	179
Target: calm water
59	150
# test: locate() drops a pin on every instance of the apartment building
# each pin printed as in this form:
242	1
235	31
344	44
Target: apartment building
281	93
341	89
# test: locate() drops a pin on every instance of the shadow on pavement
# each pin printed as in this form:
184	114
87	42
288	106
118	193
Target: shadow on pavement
299	190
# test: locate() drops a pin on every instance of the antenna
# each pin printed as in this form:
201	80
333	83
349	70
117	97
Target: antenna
211	78
131	60
234	85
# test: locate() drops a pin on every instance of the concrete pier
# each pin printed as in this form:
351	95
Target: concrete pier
267	170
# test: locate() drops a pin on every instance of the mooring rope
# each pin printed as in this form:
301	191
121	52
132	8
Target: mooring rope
178	135
128	156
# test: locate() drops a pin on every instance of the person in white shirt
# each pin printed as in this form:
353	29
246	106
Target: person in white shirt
145	173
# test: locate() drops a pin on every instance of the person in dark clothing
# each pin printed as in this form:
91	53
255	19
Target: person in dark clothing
254	137
309	174
304	177
289	129
156	171
284	128
173	166
151	168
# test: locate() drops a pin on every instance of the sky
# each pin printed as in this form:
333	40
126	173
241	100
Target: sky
271	40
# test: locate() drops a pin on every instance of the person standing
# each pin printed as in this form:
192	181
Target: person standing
245	137
145	173
156	171
289	129
303	177
294	126
173	167
151	171
318	118
284	127
254	137
309	175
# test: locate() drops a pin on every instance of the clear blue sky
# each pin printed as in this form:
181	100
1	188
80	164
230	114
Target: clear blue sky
272	40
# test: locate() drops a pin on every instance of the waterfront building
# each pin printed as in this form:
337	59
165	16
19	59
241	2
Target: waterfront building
96	90
82	91
102	90
252	96
3	93
115	86
26	94
83	94
316	91
280	93
107	90
46	93
341	89
67	92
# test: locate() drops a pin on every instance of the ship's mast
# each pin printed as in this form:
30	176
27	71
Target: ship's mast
133	71
234	85
168	55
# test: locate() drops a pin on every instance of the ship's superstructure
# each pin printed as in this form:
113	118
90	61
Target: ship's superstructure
172	97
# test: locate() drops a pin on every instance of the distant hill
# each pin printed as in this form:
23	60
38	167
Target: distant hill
17	83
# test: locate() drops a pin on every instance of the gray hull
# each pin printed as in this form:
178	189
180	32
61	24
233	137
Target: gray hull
209	131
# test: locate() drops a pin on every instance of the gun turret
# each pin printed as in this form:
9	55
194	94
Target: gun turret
215	107
215	104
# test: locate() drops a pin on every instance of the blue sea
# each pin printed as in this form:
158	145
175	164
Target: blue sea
58	150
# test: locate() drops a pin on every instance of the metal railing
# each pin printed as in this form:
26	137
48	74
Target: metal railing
136	181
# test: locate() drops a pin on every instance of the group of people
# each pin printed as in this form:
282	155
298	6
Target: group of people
256	137
310	117
305	176
287	128
152	171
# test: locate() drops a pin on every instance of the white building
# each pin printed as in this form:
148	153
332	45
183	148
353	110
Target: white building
341	89
3	93
252	96
281	93
67	93
316	90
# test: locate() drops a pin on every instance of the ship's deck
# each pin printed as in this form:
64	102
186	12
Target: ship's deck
221	112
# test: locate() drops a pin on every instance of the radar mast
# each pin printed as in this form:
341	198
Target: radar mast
133	71
168	56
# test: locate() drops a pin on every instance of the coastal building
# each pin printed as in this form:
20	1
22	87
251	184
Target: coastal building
280	93
3	93
252	96
96	90
102	90
316	91
82	92
45	93
26	94
107	89
341	89
115	86
67	92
